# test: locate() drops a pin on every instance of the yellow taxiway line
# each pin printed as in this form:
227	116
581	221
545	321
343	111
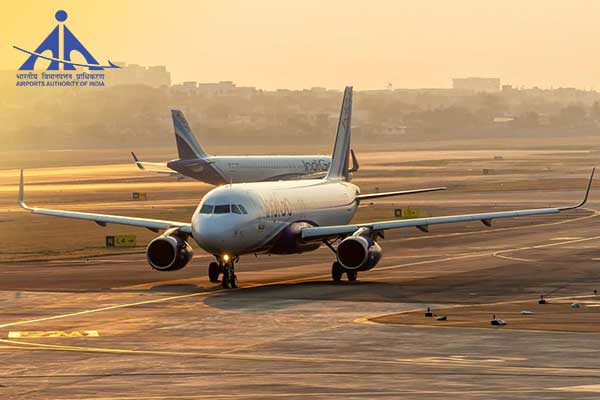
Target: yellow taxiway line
368	394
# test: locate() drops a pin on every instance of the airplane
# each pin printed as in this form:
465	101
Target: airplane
195	163
284	217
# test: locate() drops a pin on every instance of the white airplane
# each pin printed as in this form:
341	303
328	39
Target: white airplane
195	163
283	217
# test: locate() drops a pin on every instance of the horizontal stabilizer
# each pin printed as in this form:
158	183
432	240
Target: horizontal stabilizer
142	165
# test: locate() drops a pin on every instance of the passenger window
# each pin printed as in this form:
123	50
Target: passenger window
243	209
235	209
206	209
222	209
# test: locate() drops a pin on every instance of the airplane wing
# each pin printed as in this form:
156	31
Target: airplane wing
399	193
325	232
104	219
141	165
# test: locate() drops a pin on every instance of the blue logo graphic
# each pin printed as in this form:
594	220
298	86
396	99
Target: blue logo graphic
69	44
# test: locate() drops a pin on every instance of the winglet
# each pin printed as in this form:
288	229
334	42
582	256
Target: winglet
137	161
22	194
587	193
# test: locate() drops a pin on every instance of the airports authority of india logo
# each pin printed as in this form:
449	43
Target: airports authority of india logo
62	70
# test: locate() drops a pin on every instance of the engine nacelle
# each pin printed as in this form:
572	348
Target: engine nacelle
168	253
358	253
289	241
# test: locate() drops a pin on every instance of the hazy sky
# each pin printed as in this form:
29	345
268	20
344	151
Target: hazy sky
296	44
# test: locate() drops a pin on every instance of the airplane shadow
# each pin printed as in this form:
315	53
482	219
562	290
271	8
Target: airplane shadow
177	288
286	295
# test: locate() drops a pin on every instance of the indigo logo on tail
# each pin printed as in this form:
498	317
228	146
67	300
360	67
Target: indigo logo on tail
69	44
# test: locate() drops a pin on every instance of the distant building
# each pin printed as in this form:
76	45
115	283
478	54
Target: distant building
222	88
245	91
318	89
477	84
392	130
210	90
134	74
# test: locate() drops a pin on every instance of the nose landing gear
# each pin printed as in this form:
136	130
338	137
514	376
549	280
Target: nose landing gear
229	276
214	270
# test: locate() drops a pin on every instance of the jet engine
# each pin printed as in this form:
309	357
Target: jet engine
169	252
358	253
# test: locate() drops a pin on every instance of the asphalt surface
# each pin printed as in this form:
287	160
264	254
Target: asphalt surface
112	328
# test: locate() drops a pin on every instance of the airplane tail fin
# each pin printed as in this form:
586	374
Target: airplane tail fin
187	145
338	169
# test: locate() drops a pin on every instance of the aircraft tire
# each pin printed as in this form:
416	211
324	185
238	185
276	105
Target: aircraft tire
213	272
352	275
337	271
225	281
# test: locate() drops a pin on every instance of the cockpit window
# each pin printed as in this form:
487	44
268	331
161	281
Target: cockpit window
222	209
206	209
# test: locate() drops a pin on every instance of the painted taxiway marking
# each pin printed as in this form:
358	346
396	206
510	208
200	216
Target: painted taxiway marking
582	388
51	334
594	214
556	300
488	253
454	362
115	307
367	394
540	246
295	280
484	365
514	258
178	297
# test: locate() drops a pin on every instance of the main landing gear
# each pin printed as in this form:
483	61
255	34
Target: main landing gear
337	271
225	266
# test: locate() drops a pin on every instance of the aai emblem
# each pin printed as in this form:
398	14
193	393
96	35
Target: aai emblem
69	44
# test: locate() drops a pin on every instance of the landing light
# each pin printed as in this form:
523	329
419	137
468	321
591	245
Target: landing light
226	258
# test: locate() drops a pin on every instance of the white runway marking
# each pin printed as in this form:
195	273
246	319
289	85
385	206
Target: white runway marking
582	388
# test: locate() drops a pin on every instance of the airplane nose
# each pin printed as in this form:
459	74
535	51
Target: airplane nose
216	234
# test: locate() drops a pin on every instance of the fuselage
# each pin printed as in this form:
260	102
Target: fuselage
219	170
247	218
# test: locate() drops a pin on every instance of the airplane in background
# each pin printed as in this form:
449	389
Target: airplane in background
284	217
195	163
